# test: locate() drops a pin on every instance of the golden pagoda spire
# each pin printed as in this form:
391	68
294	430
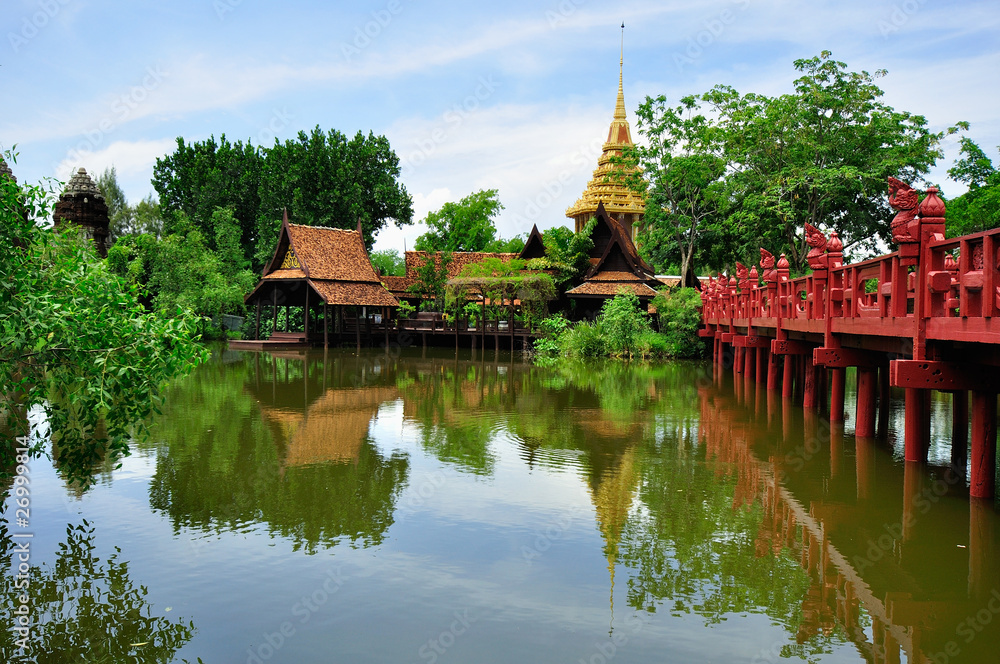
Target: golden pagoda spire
625	206
620	105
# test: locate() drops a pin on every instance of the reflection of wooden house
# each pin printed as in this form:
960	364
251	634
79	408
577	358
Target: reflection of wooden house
332	428
615	265
324	271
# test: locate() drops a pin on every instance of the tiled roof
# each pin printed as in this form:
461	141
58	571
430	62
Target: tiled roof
287	273
353	293
610	289
417	259
613	275
397	284
332	253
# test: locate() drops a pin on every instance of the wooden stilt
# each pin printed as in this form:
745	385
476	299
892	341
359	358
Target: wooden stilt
788	377
864	418
916	421
982	548
864	460
837	378
385	326
274	310
913	476
772	370
305	316
749	361
984	445
326	326
763	354
810	388
256	324
357	329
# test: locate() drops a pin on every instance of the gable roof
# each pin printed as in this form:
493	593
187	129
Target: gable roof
534	247
619	266
417	259
333	261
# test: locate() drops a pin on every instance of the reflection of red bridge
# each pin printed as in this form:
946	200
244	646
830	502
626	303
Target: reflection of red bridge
880	602
932	302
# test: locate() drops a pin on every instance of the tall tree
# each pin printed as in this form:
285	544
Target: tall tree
463	226
819	155
127	219
681	174
324	179
200	177
978	209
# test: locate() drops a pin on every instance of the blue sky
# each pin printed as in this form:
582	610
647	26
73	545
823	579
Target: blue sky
514	96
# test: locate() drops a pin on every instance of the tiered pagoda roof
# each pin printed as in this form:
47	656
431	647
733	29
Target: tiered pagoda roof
618	199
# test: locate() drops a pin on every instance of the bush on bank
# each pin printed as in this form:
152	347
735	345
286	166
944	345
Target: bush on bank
624	330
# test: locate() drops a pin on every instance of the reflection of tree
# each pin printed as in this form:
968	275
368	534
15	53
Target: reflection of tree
84	609
242	444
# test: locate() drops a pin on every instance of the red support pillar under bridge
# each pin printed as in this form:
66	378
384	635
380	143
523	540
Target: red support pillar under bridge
920	319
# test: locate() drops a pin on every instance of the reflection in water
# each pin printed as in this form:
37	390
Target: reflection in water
716	509
83	609
290	449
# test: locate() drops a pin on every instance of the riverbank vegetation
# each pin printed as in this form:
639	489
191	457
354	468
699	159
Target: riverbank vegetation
624	330
75	340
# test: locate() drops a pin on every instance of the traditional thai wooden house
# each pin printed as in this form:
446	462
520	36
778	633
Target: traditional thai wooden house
615	266
325	272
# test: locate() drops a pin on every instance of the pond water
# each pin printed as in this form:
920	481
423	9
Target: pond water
428	507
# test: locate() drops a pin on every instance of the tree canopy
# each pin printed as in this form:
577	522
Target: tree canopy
979	208
321	178
752	169
463	226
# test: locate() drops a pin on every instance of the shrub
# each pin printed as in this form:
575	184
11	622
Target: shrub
679	312
584	340
622	321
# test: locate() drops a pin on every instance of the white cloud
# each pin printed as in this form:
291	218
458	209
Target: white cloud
133	161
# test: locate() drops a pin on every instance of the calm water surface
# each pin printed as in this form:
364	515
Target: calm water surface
428	508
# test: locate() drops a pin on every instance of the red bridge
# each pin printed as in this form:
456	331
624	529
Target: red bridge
921	318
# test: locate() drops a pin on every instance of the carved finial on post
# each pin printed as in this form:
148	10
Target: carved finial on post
767	266
742	276
932	210
817	243
834	251
904	198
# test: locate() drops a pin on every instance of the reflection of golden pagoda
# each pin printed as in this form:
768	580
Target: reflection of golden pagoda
333	428
623	205
612	498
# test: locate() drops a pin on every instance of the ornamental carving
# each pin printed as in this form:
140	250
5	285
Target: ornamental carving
817	243
904	199
291	261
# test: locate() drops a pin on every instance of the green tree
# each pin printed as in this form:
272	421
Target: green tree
819	155
200	177
979	208
324	179
388	262
126	219
75	341
432	277
179	272
682	177
567	252
463	226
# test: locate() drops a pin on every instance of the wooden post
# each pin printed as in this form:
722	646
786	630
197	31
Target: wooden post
984	444
982	548
916	425
763	354
749	361
357	329
837	378
810	391
788	377
274	309
884	396
959	432
256	325
326	326
864	460
864	418
305	316
772	371
385	326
